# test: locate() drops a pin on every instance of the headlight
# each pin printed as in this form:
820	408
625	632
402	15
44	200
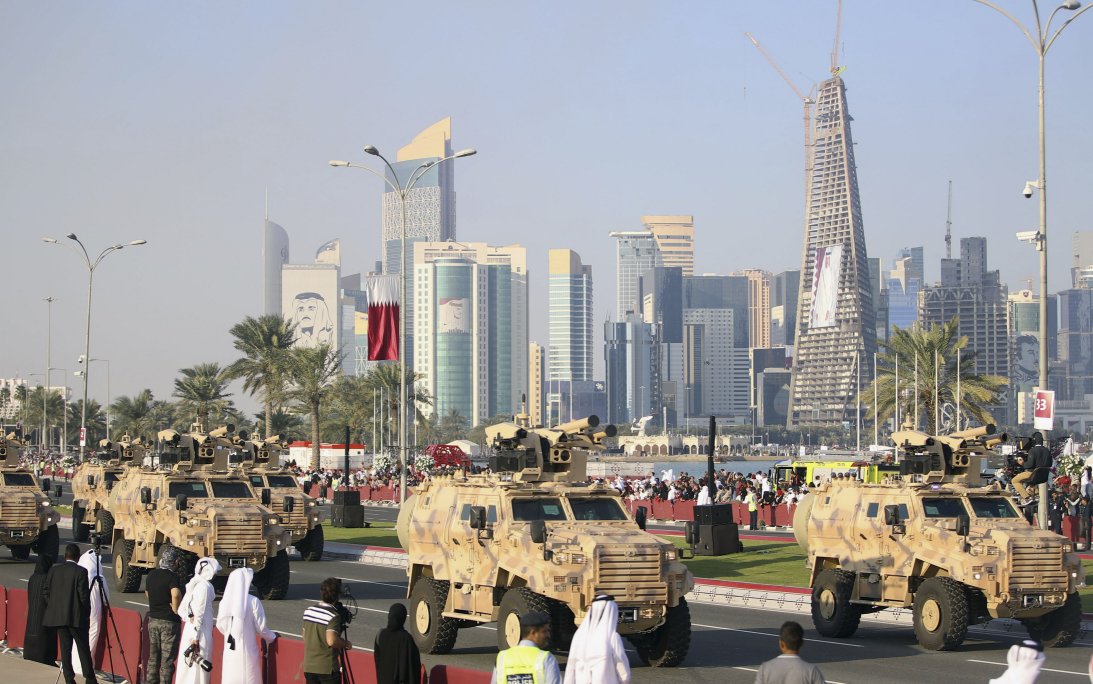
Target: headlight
274	520
1068	547
670	554
577	558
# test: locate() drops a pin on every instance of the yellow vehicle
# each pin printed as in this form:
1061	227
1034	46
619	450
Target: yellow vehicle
93	481
534	535
808	469
27	519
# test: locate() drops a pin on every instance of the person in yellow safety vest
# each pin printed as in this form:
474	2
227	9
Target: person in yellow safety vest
753	508
528	662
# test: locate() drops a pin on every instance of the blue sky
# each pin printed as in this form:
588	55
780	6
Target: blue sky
168	122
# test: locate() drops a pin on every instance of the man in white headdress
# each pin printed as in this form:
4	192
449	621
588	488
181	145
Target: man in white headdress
597	655
241	618
196	611
90	562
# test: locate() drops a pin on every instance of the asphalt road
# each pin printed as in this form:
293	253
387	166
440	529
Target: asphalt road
728	644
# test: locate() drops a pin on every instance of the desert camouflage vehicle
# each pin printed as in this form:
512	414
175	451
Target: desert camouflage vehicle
938	539
535	535
260	460
191	506
27	519
92	482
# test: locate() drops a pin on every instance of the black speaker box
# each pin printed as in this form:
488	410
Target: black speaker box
348	516
718	540
713	514
344	497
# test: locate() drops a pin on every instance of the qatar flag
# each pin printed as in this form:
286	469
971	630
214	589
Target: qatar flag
383	306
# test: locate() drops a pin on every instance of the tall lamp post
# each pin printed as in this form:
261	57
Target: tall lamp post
44	383
64	414
1041	42
402	190
49	362
91	266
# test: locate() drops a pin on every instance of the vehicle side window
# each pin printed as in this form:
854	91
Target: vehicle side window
491	514
256	480
873	509
903	511
465	513
943	507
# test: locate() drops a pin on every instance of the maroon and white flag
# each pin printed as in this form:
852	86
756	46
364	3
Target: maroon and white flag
383	315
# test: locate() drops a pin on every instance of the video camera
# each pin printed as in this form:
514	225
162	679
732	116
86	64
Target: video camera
347	607
193	655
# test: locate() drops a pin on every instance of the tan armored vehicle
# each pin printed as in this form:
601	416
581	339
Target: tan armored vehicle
260	460
27	519
92	482
190	506
535	535
938	539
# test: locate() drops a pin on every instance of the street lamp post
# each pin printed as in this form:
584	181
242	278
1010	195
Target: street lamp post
402	189
49	362
64	410
91	266
1041	42
44	382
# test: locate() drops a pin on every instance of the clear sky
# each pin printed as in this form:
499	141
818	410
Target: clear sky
169	121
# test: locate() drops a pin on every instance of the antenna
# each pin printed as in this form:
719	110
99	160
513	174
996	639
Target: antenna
949	225
835	47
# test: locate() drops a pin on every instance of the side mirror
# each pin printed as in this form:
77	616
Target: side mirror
90	480
145	495
289	504
891	514
963	524
182	502
641	516
266	499
478	518
538	531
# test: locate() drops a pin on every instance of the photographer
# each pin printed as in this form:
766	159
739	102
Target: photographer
322	630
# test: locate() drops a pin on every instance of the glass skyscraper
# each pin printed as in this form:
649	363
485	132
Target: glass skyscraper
570	316
636	252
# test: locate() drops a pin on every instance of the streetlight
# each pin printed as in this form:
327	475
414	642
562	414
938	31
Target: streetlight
1041	43
91	266
64	414
402	190
49	362
45	381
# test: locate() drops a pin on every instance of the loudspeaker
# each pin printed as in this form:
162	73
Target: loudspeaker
348	516
718	540
347	497
713	514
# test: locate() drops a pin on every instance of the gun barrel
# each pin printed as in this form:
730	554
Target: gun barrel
973	433
579	425
607	431
222	431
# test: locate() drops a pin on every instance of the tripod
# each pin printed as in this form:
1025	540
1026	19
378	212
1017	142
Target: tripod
343	659
97	584
347	610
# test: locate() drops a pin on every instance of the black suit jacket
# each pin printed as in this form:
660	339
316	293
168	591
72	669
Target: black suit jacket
67	597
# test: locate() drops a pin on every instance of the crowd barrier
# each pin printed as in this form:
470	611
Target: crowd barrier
282	661
683	511
367	493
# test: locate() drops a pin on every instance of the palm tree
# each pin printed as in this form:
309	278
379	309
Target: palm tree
201	390
287	425
136	415
311	372
96	422
54	409
935	349
383	379
452	427
264	342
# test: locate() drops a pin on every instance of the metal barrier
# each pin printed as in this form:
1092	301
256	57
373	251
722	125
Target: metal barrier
127	657
446	674
17	609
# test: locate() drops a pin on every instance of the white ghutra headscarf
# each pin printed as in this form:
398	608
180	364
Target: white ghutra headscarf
597	655
205	570
234	606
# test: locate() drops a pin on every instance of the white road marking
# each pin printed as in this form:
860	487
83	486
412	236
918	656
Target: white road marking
768	634
1043	669
382	584
138	603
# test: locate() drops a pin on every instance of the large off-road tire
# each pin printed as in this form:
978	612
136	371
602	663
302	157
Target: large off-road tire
668	644
126	577
977	606
48	543
105	525
515	604
20	551
433	633
832	612
311	546
272	580
179	561
80	532
1060	627
941	614
562	626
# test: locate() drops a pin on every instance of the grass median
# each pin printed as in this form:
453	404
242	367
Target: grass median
379	534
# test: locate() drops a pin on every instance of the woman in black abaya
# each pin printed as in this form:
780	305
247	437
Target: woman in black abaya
40	643
397	658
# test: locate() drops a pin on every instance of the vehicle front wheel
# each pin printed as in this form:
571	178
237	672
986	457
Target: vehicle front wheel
941	614
515	604
434	633
667	646
311	546
272	580
80	532
20	552
48	542
1060	627
126	577
832	612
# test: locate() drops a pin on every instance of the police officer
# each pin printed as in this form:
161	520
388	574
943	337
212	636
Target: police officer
528	662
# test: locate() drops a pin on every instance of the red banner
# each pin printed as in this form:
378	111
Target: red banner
383	318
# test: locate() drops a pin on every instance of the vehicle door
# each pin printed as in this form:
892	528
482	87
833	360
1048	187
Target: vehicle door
869	539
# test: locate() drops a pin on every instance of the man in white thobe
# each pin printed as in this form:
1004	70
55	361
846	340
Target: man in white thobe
240	619
597	655
196	611
90	562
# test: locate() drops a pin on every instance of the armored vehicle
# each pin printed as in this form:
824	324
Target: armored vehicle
534	535
92	482
940	540
27	519
190	506
261	462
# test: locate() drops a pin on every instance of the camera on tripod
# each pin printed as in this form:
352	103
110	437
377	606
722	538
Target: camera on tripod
346	607
193	655
96	540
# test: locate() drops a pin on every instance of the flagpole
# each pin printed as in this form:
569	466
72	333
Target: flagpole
876	403
937	395
857	404
898	425
959	396
916	391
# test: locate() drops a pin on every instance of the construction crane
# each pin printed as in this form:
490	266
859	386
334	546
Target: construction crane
835	70
808	102
949	225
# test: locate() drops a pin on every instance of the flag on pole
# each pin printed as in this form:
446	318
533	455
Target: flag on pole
383	318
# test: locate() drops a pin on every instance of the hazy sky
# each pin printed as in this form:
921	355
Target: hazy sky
168	122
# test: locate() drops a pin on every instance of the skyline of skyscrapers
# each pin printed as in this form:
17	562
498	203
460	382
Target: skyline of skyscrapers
569	286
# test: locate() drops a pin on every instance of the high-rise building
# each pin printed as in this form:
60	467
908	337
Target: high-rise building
758	308
905	280
836	330
628	356
661	290
471	327
715	370
879	288
1082	263
635	253
675	237
721	292
1076	341
569	285
274	256
536	379
784	289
